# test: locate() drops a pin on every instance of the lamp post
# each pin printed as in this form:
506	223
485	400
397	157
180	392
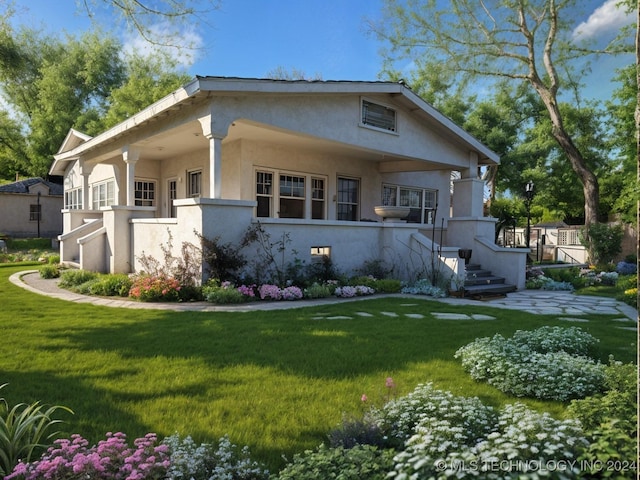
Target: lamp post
528	195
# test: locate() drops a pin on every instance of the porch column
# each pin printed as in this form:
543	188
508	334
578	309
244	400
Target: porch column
85	171
468	191
214	133
130	156
215	166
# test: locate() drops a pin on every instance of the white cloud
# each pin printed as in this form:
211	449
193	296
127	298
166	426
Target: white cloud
605	19
182	46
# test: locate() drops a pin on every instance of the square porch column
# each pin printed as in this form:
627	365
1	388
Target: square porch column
468	197
215	166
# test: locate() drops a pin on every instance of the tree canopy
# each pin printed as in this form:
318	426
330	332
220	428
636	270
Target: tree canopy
527	42
50	84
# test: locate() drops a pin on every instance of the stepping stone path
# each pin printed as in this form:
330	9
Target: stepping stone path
418	316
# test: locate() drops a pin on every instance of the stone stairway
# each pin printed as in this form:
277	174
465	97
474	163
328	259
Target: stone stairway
482	283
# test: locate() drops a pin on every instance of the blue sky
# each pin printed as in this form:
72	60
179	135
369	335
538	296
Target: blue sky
325	38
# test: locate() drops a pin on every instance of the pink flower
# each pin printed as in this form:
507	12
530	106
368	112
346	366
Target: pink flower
364	398
390	383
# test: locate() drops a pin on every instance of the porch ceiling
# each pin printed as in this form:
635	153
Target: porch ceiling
188	137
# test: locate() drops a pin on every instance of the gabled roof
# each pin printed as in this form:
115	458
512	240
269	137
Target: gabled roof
73	139
24	186
201	87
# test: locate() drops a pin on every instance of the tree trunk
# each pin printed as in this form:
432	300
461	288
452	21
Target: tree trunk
590	186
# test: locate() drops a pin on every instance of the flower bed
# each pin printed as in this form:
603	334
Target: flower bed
547	363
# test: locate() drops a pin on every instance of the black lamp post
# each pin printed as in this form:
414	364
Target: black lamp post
528	195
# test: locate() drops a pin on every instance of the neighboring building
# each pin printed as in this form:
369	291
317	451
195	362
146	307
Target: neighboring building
31	208
310	160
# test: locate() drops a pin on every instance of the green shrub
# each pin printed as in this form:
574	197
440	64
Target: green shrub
24	429
400	417
53	259
518	439
223	293
209	462
74	278
374	268
353	431
610	420
603	242
388	285
357	463
28	243
225	296
367	281
111	285
49	271
548	370
318	291
569	275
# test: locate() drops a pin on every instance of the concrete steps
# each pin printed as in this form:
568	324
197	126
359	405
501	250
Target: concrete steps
482	283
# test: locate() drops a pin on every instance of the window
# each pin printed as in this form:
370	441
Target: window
145	193
195	183
317	198
103	194
292	195
348	199
264	193
378	116
298	195
320	254
172	187
422	202
73	199
35	212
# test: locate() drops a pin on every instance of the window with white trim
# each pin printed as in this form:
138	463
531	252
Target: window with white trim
103	194
264	193
145	193
422	201
292	196
348	199
318	198
194	185
73	199
299	195
378	116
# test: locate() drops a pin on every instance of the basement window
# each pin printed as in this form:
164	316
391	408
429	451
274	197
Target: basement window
378	116
319	254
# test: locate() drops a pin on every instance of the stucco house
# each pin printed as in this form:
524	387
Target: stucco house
308	159
31	208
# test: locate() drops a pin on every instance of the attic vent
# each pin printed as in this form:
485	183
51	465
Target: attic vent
378	116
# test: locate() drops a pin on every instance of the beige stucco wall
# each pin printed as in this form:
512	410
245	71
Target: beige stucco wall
323	138
15	214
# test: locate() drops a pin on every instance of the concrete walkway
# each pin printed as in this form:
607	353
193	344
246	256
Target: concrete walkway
540	302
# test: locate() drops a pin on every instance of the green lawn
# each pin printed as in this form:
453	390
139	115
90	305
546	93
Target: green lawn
276	381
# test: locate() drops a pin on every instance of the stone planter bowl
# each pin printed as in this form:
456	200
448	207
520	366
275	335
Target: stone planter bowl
392	213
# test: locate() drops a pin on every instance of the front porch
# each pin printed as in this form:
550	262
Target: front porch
118	240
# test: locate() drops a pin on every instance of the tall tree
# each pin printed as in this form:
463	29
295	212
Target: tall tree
50	84
526	41
148	79
621	110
